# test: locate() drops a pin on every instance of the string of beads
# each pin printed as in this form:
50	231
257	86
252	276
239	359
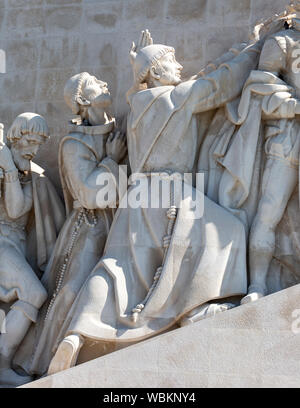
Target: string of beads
81	218
171	215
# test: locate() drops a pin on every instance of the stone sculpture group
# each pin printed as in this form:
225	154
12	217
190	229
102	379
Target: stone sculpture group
107	271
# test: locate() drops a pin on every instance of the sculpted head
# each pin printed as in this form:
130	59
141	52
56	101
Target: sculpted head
25	136
156	65
294	7
88	97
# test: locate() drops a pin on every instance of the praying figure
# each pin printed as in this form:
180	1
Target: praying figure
92	148
163	267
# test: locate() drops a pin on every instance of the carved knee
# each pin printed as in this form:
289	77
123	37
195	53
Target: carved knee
39	296
30	311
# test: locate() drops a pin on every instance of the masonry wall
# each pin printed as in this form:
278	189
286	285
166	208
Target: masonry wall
46	41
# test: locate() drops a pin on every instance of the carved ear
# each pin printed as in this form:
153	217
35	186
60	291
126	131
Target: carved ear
82	101
153	73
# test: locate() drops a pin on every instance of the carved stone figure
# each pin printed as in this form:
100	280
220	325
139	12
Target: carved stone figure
161	268
91	148
31	216
245	156
279	58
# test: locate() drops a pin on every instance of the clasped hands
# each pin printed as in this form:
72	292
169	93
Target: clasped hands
116	146
6	159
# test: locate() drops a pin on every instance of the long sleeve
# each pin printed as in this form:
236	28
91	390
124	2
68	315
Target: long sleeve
18	200
82	174
224	84
272	58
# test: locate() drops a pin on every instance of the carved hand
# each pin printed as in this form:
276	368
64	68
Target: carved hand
144	40
116	146
6	160
288	109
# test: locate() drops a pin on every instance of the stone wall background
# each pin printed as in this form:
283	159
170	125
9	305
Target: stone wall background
47	41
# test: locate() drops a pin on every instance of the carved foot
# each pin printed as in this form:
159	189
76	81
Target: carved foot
255	292
205	311
251	297
66	354
10	379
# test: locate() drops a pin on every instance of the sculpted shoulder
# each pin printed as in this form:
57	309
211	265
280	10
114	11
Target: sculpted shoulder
146	96
75	140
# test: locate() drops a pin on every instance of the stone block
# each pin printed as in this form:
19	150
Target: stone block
99	2
53	111
99	53
1	19
18	87
101	18
22	55
62	20
176	39
229	35
194	42
228	13
62	2
51	84
22	23
24	3
9	111
261	9
186	11
142	14
62	51
249	346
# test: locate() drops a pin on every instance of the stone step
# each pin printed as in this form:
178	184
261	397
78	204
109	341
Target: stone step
255	345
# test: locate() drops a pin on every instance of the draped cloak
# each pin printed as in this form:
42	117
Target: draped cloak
45	220
206	258
44	223
84	150
232	157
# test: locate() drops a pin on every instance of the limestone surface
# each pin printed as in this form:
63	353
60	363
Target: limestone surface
48	41
255	345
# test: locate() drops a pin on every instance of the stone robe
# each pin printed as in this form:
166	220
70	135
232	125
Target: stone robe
34	234
206	258
81	160
234	150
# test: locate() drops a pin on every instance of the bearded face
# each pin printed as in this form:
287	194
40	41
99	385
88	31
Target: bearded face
25	149
96	91
168	70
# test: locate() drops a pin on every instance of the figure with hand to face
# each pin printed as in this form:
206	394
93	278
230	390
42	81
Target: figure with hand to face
24	192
